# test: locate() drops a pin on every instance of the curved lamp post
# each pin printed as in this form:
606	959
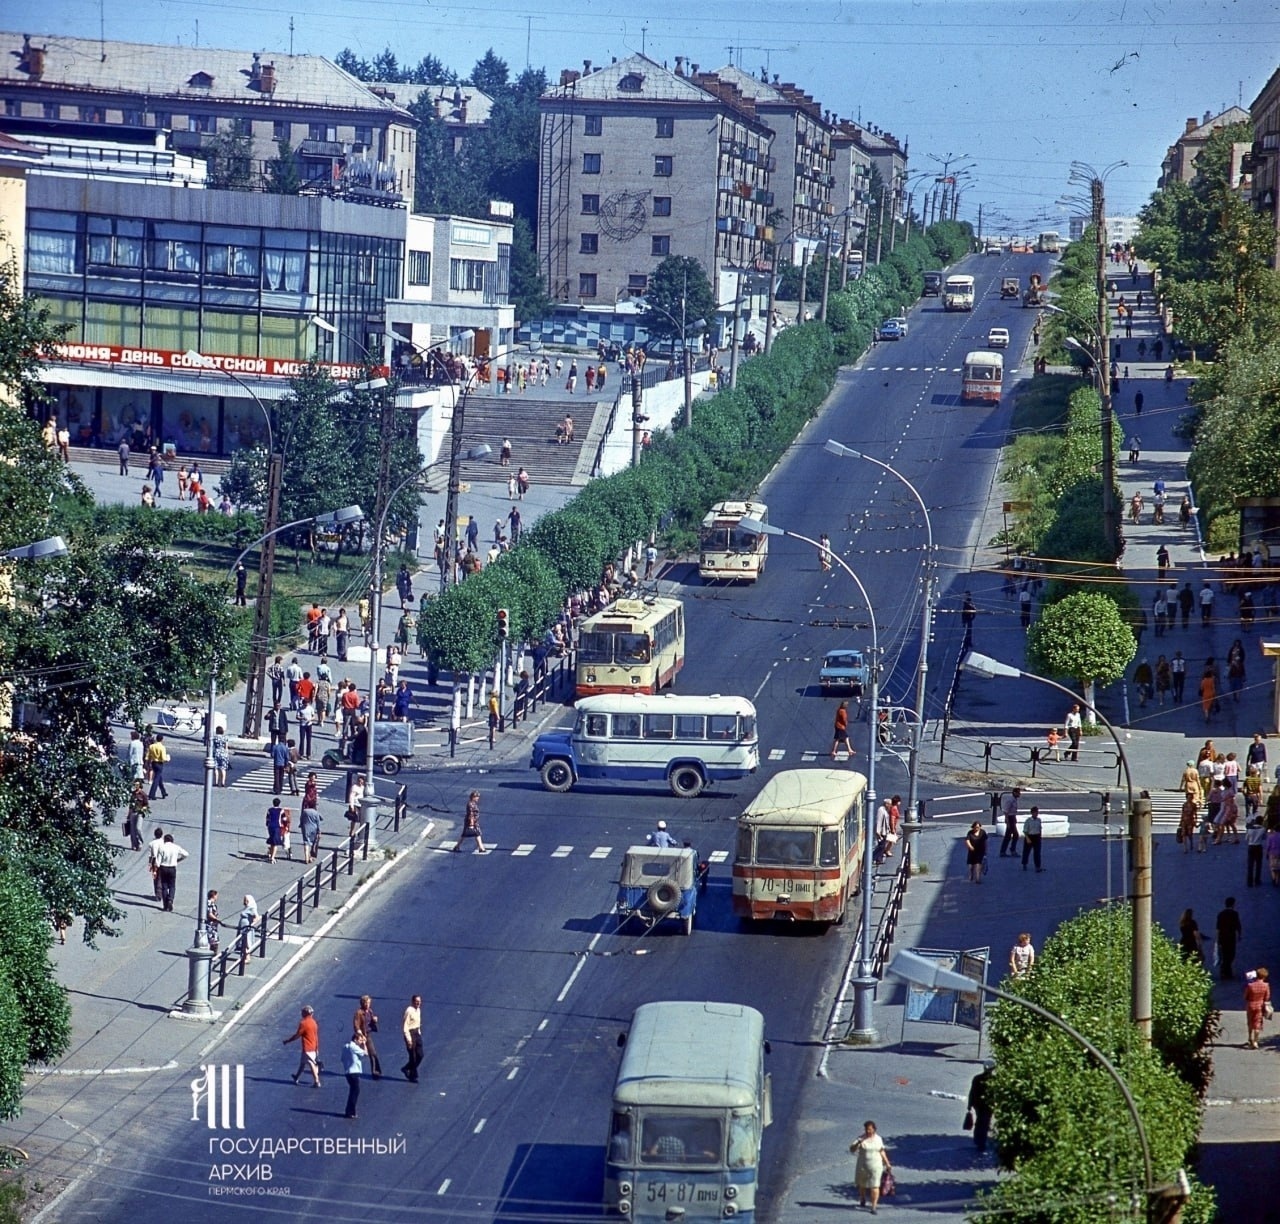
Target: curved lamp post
912	823
864	984
196	1006
1139	812
40	550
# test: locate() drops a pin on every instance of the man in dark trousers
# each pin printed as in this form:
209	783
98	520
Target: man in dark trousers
1032	831
242	580
411	1027
1009	810
1230	932
980	1106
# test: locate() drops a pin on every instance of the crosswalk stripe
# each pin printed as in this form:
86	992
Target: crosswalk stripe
261	779
718	856
562	852
601	852
776	754
523	849
809	756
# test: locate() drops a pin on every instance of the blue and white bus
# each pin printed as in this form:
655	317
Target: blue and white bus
686	742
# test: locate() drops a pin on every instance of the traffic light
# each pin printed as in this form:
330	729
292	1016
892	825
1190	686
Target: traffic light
504	624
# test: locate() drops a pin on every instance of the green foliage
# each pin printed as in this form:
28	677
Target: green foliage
528	293
230	159
284	175
1064	1129
1082	637
678	291
26	333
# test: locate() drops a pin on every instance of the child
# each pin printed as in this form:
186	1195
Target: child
286	828
1053	739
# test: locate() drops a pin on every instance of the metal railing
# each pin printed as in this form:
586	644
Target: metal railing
892	913
552	684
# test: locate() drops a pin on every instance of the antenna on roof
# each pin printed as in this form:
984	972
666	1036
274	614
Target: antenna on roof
291	37
102	30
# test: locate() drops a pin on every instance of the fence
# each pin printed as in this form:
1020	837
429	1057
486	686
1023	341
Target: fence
888	927
291	906
552	683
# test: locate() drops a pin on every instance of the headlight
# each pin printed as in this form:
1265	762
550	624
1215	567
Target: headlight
731	1192
624	1207
730	1210
624	1189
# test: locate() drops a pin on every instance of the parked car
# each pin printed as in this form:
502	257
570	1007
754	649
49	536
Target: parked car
890	329
998	337
843	671
657	883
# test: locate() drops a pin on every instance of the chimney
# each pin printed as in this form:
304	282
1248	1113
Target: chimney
586	67
1207	116
1191	126
693	69
31	61
679	65
568	76
462	110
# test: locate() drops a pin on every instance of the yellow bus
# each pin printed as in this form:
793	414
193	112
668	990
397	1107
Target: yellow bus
800	846
632	646
728	551
982	377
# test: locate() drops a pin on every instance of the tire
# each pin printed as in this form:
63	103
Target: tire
688	925
390	766
331	760
686	781
663	897
557	775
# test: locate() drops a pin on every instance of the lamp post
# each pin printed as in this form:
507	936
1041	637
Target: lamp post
864	984
1139	814
455	470
40	550
912	824
196	1006
911	967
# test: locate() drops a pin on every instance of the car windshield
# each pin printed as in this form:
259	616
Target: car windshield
848	659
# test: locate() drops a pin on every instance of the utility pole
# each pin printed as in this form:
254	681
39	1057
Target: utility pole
1110	518
826	275
256	677
733	342
880	226
844	253
684	354
1140	887
637	416
979	224
773	281
804	281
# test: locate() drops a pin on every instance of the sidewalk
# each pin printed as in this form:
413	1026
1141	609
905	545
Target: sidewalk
914	1083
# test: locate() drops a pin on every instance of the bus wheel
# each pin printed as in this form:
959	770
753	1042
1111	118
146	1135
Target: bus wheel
557	776
686	781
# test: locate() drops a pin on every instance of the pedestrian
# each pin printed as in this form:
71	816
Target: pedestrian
275	673
968	614
979	1111
471	825
824	553
167	858
245	923
1137	400
1257	754
1206	605
516	522
123	451
1164	679
279	765
310	819
353	1055
1186	597
1162	560
840	731
871	1166
883	826
1052	740
1208	693
342	634
975	844
242	584
138	812
1230	932
1235	669
1255	837
153	864
275	837
650	560
355	802
1009	810
1178	675
293	677
522	483
212	923
411	1028
1022	956
1072	724
1144	679
1032	834
1024	605
1135	448
157	757
1257	1005
1272	849
1190	941
505	454
308	1034
365	1022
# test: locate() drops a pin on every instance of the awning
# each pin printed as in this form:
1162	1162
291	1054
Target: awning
75	374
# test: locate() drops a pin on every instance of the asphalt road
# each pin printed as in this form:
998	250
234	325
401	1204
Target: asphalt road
525	981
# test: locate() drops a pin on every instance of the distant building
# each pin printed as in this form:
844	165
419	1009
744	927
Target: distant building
348	139
1263	158
852	168
17	159
638	162
1119	229
1179	164
463	109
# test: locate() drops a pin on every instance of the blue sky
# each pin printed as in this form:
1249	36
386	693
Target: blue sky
1017	89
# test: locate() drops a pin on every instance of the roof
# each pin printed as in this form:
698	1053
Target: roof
449	99
654	83
735	510
806	796
1233	114
663	703
145	70
11	147
775	94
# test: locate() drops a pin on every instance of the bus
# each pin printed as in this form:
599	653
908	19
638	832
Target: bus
632	646
687	742
957	293
727	550
800	846
690	1104
1049	242
982	378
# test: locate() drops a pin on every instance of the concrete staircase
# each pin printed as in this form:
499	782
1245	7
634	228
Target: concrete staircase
530	423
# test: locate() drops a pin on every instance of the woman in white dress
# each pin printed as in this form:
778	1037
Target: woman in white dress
873	1161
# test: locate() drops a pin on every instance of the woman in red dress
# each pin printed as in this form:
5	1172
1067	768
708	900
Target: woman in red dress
1257	1002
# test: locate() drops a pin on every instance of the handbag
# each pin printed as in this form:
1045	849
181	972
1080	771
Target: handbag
888	1184
1268	1012
1179	835
970	1118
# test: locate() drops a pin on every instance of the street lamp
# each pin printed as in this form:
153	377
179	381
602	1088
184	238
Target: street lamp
864	984
684	346
196	1006
912	824
41	550
1139	839
911	967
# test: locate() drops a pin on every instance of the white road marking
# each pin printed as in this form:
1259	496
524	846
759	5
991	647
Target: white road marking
601	852
513	1073
577	969
521	850
809	756
542	1026
776	754
718	856
765	680
478	1127
444	1185
562	852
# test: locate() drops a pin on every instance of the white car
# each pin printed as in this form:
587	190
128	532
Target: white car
998	337
901	321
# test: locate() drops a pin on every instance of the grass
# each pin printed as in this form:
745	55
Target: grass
1040	405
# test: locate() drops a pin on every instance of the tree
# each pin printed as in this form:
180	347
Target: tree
491	74
284	176
678	290
230	160
1083	637
26	336
528	291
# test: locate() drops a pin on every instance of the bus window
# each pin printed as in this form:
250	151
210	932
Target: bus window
626	726
689	726
746	726
743	852
722	726
829	855
620	1138
595	648
680	1139
743	1141
632	648
743	541
659	726
597	726
784	847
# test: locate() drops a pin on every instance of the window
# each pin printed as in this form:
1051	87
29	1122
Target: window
591	163
666	127
161	119
419	267
637	283
319	131
52	110
174	247
660	244
466	275
589	244
659	726
93	114
662	206
12	108
242	125
590	205
662	167
586	284
232	252
284	262
364	135
132	117
115	242
280	130
52	244
202	123
633	82
595	124
626	726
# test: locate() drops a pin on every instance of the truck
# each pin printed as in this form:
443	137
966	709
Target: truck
933	284
1035	294
1011	287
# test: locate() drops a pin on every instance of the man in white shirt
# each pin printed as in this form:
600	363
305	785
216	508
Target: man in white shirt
135	757
411	1027
167	856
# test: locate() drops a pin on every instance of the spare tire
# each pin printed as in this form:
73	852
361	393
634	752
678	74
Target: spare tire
663	897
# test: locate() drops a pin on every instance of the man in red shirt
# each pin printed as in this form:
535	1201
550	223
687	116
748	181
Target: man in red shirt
309	1034
306	688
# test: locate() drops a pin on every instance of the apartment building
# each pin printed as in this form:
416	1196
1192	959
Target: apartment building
1263	159
347	138
637	162
1179	164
